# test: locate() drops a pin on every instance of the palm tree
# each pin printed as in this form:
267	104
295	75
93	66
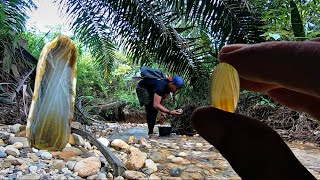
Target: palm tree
152	28
12	19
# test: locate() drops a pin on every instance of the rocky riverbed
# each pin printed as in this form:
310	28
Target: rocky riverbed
174	157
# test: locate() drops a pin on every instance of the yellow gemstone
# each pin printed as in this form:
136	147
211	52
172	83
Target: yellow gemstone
225	87
52	107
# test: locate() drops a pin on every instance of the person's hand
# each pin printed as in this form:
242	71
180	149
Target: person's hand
176	112
287	72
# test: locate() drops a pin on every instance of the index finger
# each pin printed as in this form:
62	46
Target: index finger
292	65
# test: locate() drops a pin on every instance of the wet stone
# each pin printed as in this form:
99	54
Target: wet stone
3	154
175	172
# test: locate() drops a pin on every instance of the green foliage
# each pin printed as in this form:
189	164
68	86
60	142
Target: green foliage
90	81
12	20
36	39
291	20
13	14
121	85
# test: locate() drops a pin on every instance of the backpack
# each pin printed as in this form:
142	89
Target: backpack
150	73
147	73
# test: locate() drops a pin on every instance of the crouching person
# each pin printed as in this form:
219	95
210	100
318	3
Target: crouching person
152	93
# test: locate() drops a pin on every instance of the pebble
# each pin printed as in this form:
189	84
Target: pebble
151	165
77	151
22	140
102	176
182	154
133	175
88	166
3	154
157	157
119	144
175	172
33	169
46	156
4	135
38	153
15	128
104	141
79	140
12	151
34	157
178	160
18	145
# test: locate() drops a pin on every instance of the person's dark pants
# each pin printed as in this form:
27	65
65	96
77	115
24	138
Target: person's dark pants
151	117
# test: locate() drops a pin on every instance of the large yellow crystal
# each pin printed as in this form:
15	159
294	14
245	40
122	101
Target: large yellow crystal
52	107
225	87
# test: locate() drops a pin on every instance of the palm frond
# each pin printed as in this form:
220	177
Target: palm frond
12	20
144	27
228	21
13	14
90	27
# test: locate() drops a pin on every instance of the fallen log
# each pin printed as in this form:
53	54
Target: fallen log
117	166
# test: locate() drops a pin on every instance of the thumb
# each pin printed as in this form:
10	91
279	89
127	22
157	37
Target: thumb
254	150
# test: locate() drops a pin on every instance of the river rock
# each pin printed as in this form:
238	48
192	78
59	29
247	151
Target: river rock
71	164
135	161
147	171
76	125
119	178
57	164
12	151
182	154
171	157
15	128
14	161
72	140
24	140
102	176
22	134
67	154
88	146
79	140
55	153
88	166
131	140
104	141
33	169
46	156
178	160
175	172
154	177
119	144
150	164
157	157
77	151
196	176
109	175
4	135
17	145
133	175
142	141
3	154
92	177
30	177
